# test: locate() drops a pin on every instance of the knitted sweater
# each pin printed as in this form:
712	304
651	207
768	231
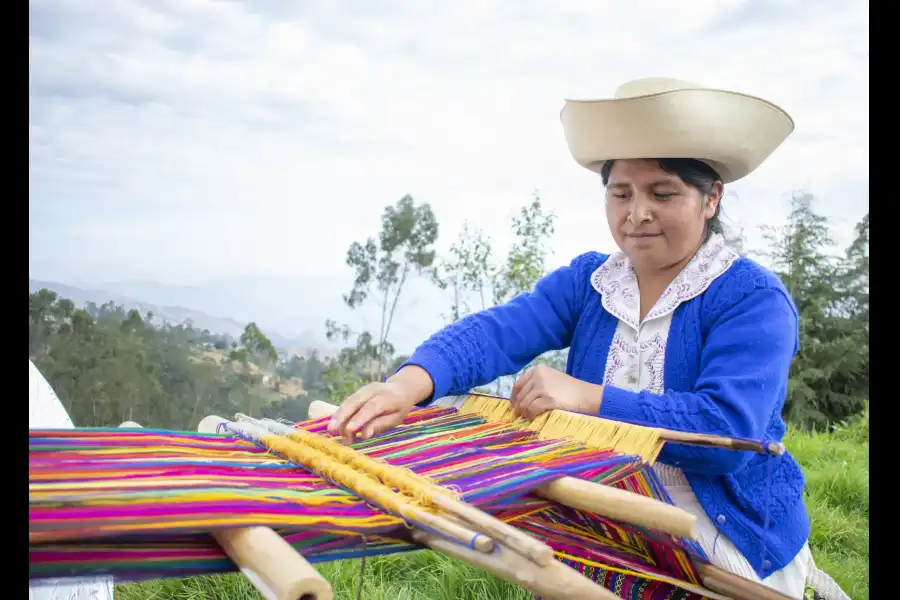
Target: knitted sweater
726	373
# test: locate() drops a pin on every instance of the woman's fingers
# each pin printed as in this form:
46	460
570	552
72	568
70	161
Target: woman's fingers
349	407
519	386
525	387
370	410
539	406
381	424
528	398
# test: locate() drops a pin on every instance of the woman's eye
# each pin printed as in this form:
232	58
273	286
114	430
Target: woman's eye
620	196
661	196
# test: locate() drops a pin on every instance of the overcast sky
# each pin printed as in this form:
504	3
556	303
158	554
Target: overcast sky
187	140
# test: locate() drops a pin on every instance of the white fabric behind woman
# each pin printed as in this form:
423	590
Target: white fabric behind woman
47	412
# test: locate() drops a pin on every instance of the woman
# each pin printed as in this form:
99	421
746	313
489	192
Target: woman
45	411
674	330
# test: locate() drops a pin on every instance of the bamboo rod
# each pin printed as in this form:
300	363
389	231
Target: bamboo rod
271	564
596	498
738	588
620	505
555	581
719	441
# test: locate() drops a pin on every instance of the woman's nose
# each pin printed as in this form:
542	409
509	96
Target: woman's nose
640	213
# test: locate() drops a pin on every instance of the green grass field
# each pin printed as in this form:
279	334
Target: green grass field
837	496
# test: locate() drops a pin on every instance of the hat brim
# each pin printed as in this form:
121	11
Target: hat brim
731	132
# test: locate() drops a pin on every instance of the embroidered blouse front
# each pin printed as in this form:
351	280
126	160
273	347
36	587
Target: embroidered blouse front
636	356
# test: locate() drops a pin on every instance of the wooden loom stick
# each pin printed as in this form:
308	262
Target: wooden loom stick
734	586
523	543
365	487
608	501
720	441
271	564
555	581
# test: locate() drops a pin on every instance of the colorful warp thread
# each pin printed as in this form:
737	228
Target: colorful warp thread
138	504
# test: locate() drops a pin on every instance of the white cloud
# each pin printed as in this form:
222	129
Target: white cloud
191	139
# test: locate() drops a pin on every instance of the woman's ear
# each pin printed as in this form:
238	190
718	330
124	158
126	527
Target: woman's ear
712	200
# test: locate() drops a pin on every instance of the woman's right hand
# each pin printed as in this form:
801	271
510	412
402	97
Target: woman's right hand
378	407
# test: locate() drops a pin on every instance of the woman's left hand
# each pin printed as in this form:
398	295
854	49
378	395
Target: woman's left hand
542	388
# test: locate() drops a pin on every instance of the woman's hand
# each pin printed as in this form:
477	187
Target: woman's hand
377	407
542	388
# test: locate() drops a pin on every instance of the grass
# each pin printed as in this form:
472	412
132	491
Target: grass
837	497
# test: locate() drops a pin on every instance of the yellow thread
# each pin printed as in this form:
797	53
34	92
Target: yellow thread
586	429
406	481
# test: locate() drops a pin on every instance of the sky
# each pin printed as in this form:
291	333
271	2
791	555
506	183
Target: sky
187	141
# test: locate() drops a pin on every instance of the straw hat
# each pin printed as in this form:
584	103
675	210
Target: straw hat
667	118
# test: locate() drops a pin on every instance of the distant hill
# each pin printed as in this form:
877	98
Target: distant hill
300	345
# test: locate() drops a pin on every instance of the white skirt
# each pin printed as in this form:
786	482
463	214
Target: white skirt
790	581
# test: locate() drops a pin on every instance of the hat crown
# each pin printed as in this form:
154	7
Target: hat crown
653	85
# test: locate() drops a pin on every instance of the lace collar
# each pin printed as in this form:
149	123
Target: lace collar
616	282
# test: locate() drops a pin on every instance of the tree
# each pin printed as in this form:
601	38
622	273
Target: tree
404	248
829	376
526	261
468	270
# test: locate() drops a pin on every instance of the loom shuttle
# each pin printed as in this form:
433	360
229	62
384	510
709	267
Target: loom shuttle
273	566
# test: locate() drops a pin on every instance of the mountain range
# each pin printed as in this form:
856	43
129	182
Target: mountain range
291	312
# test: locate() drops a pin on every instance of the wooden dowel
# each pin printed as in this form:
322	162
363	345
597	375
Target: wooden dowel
523	543
620	505
271	564
555	581
719	441
318	409
738	588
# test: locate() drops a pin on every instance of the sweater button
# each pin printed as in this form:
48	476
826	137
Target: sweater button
720	519
767	565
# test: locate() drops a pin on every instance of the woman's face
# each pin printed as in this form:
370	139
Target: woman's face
656	219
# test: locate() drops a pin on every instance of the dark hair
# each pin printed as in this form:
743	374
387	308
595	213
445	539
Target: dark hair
694	173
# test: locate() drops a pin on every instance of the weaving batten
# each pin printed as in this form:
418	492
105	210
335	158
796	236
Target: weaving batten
617	504
427	491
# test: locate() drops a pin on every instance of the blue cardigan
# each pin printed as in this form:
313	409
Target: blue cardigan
726	372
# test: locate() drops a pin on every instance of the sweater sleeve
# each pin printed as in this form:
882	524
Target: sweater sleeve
744	367
501	340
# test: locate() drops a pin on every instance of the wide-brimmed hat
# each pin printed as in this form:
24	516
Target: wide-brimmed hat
667	118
